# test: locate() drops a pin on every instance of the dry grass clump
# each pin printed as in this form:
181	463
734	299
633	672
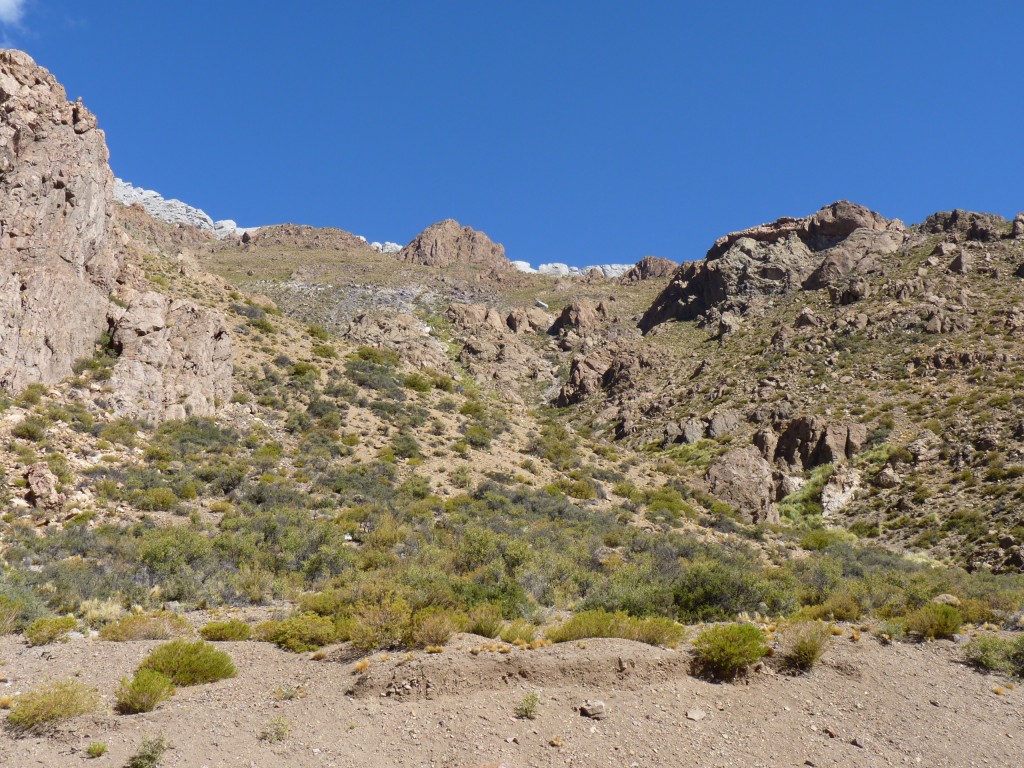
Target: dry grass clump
162	625
934	621
601	623
190	662
803	644
485	620
432	629
51	703
143	692
225	631
98	612
50	630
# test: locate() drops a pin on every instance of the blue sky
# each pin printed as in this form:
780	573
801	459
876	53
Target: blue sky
585	132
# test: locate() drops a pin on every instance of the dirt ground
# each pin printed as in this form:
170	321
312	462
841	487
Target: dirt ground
865	704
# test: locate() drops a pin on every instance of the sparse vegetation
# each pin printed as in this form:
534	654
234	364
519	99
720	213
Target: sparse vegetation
50	630
726	651
149	754
803	643
143	692
51	703
221	631
187	662
528	707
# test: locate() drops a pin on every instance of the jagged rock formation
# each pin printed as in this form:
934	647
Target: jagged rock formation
448	243
402	333
775	259
57	264
649	268
174	360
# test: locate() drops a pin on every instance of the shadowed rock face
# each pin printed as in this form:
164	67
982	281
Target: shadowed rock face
777	258
448	243
56	263
649	268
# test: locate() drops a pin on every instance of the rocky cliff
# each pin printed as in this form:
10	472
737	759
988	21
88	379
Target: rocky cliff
57	264
60	261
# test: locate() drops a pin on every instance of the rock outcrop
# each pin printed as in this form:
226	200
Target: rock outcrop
305	236
174	360
402	333
776	259
57	265
808	442
649	268
743	479
447	243
968	225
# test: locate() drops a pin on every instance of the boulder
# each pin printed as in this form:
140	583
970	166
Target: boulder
57	262
581	317
744	480
42	488
586	377
475	317
722	424
174	360
840	490
447	243
1018	227
888	478
692	430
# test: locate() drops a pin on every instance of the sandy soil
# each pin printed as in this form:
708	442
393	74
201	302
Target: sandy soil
864	705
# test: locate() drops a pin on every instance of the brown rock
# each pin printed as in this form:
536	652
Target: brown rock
402	333
811	442
42	487
743	479
967	225
57	263
649	268
581	317
175	360
448	243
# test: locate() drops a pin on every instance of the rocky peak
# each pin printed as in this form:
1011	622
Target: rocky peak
448	243
777	258
649	268
968	225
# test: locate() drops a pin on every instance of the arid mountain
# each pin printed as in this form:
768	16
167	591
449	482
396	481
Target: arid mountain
496	506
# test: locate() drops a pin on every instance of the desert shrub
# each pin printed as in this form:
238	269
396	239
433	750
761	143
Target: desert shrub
519	631
222	631
405	446
50	630
601	623
51	703
597	623
190	662
485	620
418	382
155	499
803	643
149	754
32	394
276	730
96	749
727	650
990	653
555	445
433	628
318	332
839	606
479	436
527	708
31	429
97	612
162	625
934	621
143	692
324	350
381	625
300	633
657	630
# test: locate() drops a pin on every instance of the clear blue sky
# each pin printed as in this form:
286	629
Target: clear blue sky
586	132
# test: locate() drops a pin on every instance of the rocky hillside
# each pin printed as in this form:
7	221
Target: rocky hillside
430	467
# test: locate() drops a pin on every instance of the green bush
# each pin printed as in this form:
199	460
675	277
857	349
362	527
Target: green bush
803	644
485	620
50	630
934	621
519	631
727	650
300	633
222	631
31	429
51	703
527	708
996	654
433	628
142	693
190	662
381	625
162	625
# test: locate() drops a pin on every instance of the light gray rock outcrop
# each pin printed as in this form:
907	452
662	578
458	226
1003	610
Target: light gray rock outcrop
174	360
